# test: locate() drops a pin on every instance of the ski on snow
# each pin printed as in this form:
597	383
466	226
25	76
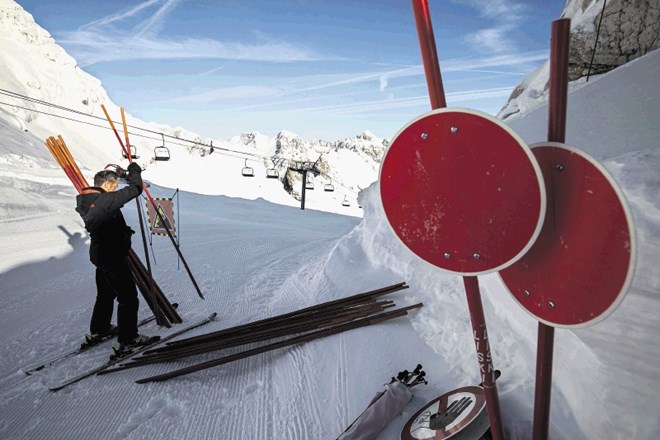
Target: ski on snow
83	347
130	354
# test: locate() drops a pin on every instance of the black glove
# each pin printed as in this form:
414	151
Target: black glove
133	167
135	175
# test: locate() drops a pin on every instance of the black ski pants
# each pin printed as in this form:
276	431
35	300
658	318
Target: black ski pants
115	282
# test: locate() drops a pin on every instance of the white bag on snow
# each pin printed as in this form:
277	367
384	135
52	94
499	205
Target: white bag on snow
380	412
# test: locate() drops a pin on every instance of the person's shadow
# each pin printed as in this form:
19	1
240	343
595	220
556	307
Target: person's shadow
76	240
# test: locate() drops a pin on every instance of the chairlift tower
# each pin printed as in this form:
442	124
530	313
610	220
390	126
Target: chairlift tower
304	167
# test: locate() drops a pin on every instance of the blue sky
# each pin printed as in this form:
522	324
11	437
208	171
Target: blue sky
321	68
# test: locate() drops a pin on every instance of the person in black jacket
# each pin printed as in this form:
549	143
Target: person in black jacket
100	208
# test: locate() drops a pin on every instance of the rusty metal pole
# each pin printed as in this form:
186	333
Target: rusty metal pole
429	53
477	318
484	357
557	105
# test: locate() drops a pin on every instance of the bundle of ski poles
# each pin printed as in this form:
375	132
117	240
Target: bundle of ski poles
276	332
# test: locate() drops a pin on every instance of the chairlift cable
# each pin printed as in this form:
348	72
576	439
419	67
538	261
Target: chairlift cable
173	139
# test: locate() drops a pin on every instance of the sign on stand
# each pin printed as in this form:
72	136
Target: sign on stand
581	266
462	191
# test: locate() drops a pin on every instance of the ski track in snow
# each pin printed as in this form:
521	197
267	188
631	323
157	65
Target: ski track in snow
254	277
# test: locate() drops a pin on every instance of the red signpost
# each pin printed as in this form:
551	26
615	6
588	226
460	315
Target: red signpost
464	193
579	269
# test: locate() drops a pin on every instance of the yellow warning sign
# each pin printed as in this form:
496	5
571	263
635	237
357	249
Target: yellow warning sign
162	219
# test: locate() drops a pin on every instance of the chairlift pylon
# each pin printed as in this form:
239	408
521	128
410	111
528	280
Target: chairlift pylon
161	152
247	171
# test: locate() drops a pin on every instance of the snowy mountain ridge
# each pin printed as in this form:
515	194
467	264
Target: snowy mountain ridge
37	72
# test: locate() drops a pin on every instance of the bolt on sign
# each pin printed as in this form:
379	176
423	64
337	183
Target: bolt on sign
158	224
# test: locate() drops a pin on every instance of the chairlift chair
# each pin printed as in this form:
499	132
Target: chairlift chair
161	152
328	187
133	152
272	173
247	171
309	184
345	202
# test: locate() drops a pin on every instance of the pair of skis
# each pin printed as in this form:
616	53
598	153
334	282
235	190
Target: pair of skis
83	347
130	354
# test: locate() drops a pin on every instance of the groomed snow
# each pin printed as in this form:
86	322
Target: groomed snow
253	259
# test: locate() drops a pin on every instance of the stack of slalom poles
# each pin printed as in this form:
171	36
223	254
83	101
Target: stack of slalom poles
284	330
158	303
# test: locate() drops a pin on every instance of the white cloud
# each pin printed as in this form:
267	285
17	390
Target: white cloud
503	9
210	72
153	25
105	40
415	72
504	16
492	39
416	101
119	16
383	82
225	93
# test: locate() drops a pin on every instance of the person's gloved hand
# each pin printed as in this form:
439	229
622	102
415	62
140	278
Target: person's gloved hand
133	167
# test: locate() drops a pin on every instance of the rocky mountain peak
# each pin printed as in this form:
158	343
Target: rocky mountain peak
629	29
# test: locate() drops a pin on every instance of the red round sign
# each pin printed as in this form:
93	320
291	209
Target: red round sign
580	267
462	191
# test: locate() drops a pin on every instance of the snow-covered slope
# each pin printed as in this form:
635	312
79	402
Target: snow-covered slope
254	259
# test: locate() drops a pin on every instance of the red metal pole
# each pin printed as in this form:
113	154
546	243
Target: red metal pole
437	95
483	355
429	53
559	46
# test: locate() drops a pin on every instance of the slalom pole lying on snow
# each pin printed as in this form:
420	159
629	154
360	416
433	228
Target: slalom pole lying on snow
269	321
306	319
281	344
294	328
127	152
